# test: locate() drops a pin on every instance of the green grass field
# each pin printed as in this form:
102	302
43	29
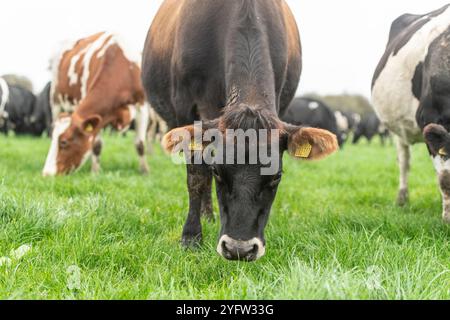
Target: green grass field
334	231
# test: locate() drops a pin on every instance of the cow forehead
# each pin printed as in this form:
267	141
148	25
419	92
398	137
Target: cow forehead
61	126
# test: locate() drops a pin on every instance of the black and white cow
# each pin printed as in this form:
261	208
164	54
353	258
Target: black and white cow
411	93
347	122
313	113
369	127
41	118
18	110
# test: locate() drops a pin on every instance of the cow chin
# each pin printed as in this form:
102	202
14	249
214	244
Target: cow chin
232	249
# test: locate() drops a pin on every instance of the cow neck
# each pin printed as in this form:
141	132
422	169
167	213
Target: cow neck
249	71
90	107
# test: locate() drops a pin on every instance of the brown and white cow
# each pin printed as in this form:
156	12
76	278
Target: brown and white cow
96	83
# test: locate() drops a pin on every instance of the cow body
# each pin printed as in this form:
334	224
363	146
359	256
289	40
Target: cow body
18	110
233	64
313	113
410	90
42	115
369	127
95	84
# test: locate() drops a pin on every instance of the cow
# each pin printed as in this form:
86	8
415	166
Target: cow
230	65
96	83
369	127
42	115
313	113
411	90
18	111
347	122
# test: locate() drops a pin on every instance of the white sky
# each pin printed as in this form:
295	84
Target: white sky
342	40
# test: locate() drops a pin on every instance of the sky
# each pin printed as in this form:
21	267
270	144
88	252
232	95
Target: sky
342	40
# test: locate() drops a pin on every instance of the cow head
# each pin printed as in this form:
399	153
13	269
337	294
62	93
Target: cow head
247	190
72	141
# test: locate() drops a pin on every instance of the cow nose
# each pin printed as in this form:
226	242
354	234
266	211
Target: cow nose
232	249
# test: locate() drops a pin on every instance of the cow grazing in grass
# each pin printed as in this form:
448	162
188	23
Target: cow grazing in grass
313	113
369	127
234	64
19	111
96	83
411	93
347	122
42	116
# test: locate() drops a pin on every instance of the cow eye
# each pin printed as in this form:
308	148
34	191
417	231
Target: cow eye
63	144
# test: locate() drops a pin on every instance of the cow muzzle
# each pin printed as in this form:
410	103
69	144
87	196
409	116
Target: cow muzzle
232	249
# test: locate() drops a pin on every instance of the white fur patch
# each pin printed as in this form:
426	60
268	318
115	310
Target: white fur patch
3	98
342	122
92	49
392	94
242	244
441	165
73	75
60	126
313	105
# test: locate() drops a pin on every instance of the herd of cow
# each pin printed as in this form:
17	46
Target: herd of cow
234	65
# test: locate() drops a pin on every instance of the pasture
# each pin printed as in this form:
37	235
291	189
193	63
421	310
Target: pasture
334	231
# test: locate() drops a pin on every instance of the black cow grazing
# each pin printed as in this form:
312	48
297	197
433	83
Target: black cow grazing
411	93
41	118
234	64
17	109
369	127
313	113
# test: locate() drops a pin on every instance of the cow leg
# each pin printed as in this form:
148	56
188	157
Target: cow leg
96	152
404	158
442	167
207	209
151	133
142	120
198	181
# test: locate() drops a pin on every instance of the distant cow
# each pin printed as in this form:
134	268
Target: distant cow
42	115
313	113
369	127
95	84
347	122
411	93
234	65
18	111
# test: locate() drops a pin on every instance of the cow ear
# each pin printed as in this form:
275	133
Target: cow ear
436	137
177	137
91	125
310	143
185	137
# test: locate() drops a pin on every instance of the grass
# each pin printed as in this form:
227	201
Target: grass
334	231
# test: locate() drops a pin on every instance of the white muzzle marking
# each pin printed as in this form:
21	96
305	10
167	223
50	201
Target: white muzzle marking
245	245
61	125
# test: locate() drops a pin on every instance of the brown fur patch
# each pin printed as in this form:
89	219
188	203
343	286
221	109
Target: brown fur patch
323	142
175	137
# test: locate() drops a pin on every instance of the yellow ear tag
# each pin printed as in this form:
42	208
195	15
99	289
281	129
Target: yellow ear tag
442	152
303	151
195	146
89	128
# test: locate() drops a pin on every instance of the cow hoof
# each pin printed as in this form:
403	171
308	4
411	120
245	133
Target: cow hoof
403	197
209	215
191	242
95	171
145	171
